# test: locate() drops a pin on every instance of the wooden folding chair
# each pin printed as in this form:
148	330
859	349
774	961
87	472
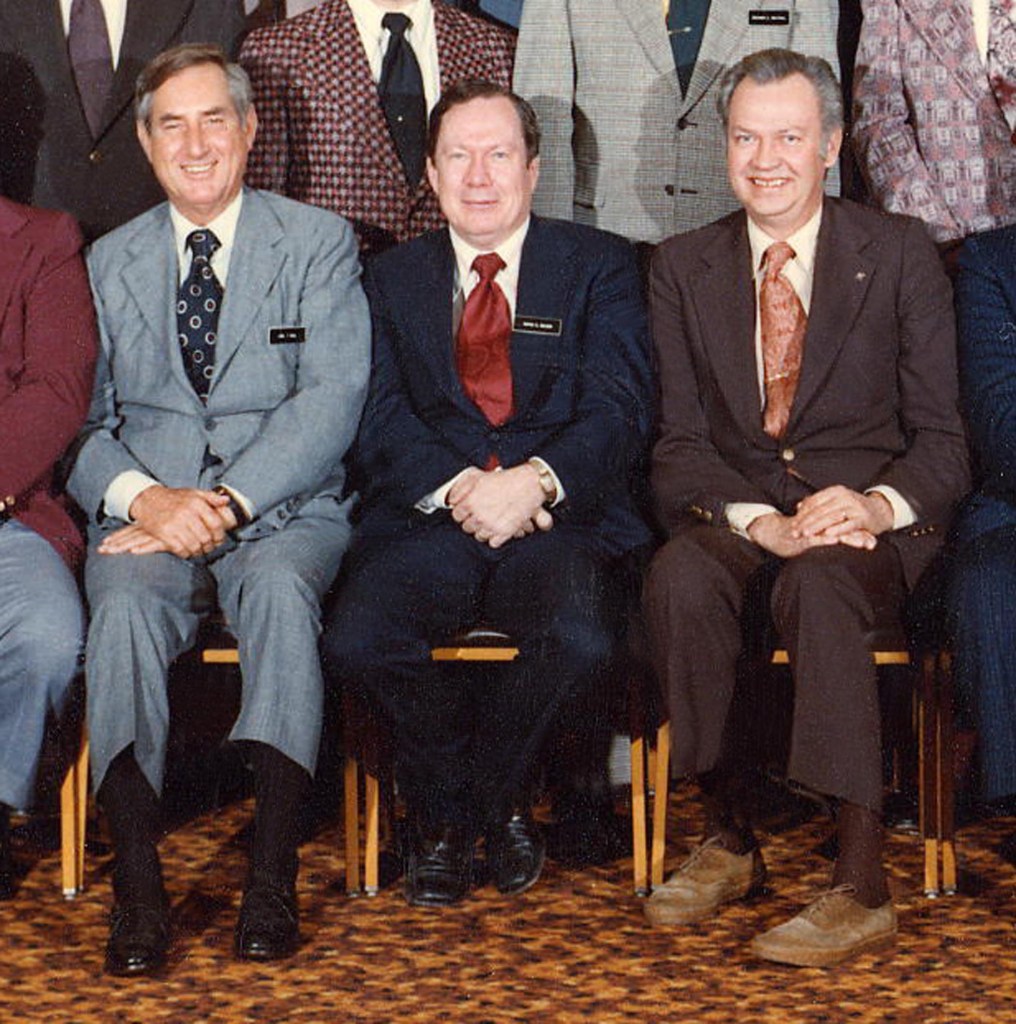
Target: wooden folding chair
935	774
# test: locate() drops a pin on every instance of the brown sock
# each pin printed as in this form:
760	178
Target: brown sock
860	856
724	818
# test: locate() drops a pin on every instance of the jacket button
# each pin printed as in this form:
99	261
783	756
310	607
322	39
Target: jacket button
95	157
669	189
211	423
787	455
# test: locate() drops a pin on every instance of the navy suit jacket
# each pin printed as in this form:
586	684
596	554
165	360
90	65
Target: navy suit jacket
986	304
580	372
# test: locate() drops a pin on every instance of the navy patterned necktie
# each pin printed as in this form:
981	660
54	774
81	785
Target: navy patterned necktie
686	24
197	312
401	90
91	60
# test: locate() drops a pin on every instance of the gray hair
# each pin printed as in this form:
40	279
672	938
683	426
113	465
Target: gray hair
774	65
188	55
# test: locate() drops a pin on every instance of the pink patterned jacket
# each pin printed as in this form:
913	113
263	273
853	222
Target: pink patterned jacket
322	136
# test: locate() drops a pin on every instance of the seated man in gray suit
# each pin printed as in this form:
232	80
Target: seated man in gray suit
233	367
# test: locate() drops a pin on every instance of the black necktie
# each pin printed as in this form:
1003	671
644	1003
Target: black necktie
197	312
91	60
686	24
401	90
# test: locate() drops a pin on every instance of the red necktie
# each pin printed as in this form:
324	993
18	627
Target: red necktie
783	326
481	351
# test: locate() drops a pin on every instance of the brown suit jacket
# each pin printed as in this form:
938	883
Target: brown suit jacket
322	135
877	400
47	358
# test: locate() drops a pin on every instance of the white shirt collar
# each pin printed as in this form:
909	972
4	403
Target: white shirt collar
803	241
510	250
224	228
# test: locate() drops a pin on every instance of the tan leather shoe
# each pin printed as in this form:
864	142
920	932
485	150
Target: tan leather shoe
710	877
828	931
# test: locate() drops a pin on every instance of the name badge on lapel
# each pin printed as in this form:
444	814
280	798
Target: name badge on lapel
537	325
287	335
769	17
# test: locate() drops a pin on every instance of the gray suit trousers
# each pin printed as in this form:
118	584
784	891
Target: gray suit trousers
146	610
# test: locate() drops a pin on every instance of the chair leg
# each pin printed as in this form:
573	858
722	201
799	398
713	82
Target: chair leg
661	789
372	850
929	770
638	816
946	774
73	816
352	820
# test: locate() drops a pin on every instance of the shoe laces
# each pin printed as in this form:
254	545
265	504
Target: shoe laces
820	904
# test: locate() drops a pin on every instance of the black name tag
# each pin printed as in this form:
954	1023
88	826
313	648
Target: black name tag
769	17
287	336
537	325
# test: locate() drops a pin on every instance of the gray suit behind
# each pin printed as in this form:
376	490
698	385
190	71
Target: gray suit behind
622	149
276	427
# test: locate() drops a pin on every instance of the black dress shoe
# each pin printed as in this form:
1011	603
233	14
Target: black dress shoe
138	938
439	866
268	927
515	853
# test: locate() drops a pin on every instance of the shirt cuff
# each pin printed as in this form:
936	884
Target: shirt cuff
741	514
560	496
903	512
242	500
438	499
122	491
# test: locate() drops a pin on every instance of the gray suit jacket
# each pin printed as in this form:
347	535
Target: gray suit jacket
622	149
280	416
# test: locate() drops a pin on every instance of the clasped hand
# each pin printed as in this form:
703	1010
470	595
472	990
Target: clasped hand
834	515
497	506
182	521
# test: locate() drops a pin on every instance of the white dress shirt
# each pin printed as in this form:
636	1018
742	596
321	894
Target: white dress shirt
800	272
466	279
126	486
116	17
420	35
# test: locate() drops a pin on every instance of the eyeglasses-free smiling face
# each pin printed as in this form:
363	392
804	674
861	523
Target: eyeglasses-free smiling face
777	157
480	173
196	143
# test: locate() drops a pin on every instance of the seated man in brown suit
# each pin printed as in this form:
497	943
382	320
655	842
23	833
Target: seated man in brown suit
809	449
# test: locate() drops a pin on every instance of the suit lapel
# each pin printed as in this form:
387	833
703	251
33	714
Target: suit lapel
723	297
546	285
148	30
648	24
256	261
722	43
151	276
948	29
40	32
11	257
429	297
842	276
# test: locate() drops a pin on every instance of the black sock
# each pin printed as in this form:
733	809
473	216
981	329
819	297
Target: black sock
280	789
132	810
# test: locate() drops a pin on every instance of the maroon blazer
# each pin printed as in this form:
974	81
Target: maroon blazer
877	399
47	359
322	135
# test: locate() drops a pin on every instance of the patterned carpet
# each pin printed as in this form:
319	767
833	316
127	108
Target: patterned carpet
574	948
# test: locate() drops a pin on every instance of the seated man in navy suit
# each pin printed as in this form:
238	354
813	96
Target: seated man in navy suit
510	400
232	373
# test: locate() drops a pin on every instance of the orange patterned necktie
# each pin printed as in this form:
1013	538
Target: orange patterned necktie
783	325
481	351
